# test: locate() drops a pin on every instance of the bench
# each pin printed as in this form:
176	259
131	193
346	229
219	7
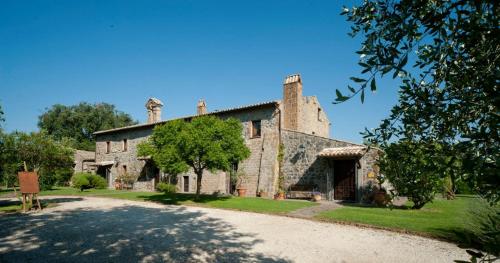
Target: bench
300	191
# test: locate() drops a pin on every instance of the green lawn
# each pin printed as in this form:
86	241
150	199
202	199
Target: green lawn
442	218
251	204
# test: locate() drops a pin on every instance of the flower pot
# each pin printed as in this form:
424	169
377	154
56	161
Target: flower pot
316	198
242	191
262	194
279	196
380	198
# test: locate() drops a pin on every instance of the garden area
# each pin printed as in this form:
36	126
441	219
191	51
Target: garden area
443	219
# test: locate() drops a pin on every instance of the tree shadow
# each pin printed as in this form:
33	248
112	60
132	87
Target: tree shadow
124	234
16	204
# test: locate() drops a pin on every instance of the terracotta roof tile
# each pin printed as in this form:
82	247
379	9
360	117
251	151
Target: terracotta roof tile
343	151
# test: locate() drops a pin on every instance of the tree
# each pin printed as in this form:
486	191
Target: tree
2	118
414	169
446	54
50	158
79	122
204	143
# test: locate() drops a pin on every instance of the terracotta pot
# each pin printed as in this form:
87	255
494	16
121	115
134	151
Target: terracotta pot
279	196
380	198
118	186
242	191
316	198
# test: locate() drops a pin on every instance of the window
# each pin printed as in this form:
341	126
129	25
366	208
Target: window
124	169
319	114
256	129
125	145
108	147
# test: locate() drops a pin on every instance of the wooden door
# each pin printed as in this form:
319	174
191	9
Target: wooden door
186	183
344	180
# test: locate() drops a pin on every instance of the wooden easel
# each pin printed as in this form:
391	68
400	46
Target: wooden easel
28	182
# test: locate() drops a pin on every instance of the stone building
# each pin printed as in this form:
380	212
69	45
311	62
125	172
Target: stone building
296	124
84	161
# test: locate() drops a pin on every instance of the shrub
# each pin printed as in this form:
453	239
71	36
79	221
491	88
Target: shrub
80	181
97	182
483	232
166	188
84	181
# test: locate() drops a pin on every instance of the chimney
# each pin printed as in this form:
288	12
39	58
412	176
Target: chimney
153	105
292	102
201	108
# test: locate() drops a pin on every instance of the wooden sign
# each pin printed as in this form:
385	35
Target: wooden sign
28	181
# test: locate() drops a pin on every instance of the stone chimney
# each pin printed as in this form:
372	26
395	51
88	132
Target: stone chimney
201	108
292	102
153	105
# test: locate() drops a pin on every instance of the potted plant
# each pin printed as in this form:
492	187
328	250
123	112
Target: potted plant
316	196
242	179
280	195
380	196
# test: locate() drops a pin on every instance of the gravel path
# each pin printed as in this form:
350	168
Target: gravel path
109	230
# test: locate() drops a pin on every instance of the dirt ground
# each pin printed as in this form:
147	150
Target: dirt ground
84	229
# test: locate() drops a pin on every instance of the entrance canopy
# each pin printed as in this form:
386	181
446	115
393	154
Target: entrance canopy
104	163
343	152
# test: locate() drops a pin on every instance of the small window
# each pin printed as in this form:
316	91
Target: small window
319	114
108	147
125	145
256	131
124	169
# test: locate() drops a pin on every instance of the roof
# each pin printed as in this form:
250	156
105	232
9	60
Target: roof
104	163
347	151
245	107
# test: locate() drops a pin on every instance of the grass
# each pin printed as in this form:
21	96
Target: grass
251	204
444	219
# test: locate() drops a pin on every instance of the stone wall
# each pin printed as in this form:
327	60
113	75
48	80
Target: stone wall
302	166
82	160
120	157
260	167
313	118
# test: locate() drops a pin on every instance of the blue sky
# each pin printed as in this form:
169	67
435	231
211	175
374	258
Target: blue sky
228	52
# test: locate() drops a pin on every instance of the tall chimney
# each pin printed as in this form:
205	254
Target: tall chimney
292	102
201	108
153	105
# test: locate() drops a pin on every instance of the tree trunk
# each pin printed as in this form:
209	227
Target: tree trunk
199	175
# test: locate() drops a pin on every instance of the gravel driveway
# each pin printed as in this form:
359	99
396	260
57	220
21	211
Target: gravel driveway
109	230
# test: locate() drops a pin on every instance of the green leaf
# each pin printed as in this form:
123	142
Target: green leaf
359	80
403	62
351	89
363	96
373	85
338	93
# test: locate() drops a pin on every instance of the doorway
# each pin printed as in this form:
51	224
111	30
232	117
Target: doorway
185	181
344	180
105	172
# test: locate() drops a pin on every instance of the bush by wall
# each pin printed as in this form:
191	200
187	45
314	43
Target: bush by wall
84	181
166	188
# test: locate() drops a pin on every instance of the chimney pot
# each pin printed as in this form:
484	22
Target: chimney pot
153	105
201	108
